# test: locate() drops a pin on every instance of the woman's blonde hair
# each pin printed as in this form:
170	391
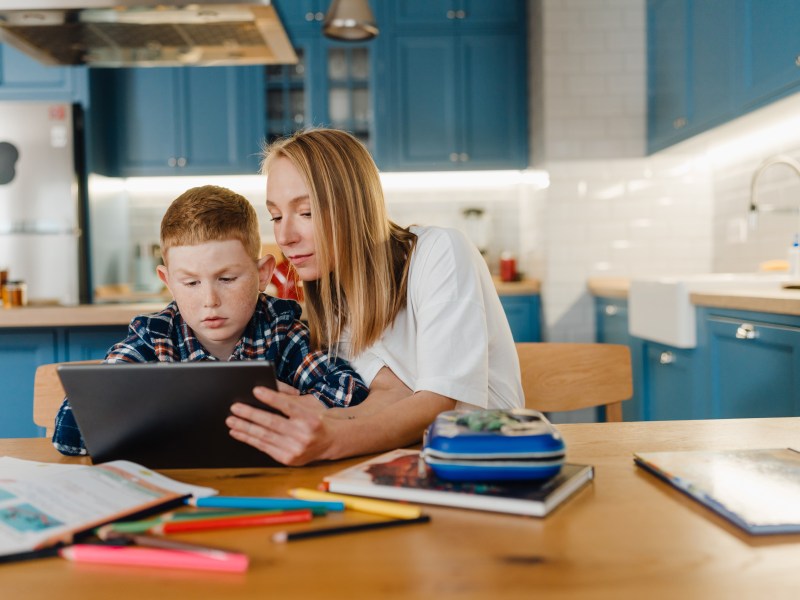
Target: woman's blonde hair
365	253
210	213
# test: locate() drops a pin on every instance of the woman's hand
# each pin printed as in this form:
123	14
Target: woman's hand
297	437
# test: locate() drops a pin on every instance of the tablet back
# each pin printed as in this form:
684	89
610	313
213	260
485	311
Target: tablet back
165	415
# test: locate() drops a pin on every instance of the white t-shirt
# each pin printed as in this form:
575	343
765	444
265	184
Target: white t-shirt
453	337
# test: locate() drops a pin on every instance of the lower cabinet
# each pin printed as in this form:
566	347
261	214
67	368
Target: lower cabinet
753	364
23	350
524	317
746	365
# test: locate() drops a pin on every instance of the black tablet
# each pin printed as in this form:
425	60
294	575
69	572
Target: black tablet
165	415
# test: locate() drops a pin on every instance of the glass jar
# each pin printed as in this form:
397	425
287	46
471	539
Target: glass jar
15	294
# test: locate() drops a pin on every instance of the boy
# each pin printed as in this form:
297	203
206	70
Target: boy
211	245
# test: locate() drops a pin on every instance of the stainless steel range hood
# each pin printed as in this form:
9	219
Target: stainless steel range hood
120	33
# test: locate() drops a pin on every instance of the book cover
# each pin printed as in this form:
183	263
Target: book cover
46	504
401	475
757	490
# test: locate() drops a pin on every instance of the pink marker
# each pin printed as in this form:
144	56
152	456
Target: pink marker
154	557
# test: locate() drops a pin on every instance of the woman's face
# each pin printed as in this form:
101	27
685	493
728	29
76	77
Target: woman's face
289	204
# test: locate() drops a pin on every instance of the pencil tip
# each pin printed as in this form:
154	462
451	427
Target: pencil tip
281	537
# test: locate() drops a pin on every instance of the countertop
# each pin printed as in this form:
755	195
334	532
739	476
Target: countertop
121	314
778	301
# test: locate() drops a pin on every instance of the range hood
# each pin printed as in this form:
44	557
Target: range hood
121	33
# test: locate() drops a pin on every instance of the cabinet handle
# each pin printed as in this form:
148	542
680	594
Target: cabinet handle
666	358
172	161
451	14
797	61
611	310
679	123
463	157
460	14
319	16
309	16
454	157
746	331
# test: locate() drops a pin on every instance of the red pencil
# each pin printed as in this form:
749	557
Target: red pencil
289	516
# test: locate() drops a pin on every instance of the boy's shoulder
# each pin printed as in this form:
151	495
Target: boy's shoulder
159	324
275	309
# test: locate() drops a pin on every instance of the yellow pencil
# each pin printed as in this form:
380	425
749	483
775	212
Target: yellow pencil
366	505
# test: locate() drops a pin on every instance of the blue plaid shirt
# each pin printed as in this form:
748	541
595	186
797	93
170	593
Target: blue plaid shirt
274	333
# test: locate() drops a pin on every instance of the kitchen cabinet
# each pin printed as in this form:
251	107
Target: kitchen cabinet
176	121
611	327
692	68
456	93
22	350
669	382
770	34
524	316
332	85
24	78
753	363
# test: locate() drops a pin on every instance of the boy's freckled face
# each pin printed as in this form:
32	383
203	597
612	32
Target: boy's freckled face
215	285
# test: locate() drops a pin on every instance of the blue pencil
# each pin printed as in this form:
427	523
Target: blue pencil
262	503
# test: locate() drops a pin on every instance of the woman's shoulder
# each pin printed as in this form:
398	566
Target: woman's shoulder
432	239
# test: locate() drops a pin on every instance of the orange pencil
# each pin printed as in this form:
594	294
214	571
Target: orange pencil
292	516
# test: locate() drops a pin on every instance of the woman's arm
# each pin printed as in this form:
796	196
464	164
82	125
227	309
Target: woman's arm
391	417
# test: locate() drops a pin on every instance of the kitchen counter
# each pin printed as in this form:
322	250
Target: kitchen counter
777	301
121	314
74	316
609	287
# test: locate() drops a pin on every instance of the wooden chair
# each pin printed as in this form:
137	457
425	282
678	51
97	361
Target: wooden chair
558	377
48	394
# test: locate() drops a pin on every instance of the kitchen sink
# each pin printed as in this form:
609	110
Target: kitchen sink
659	308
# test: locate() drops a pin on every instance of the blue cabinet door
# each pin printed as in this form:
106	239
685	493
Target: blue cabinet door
524	317
222	128
493	124
714	50
754	367
92	343
21	352
422	103
667	72
670	384
25	78
415	14
770	38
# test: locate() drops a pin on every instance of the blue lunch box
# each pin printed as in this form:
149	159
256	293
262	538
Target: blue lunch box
493	445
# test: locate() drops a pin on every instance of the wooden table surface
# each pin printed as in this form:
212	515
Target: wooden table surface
626	535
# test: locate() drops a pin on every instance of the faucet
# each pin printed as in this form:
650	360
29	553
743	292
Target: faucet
778	159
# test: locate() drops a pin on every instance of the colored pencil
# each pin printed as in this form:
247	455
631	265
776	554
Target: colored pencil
147	524
263	503
150	541
152	557
285	536
295	516
383	508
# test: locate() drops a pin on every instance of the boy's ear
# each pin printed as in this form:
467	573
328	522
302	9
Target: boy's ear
266	265
163	275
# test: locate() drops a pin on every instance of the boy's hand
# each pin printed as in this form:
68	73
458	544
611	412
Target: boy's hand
301	436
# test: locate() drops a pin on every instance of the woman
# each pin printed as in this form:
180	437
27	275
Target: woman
414	310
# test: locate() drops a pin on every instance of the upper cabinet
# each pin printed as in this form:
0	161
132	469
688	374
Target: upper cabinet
24	78
332	85
710	61
770	35
176	121
454	89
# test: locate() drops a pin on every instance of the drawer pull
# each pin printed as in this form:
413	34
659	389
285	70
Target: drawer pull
666	358
611	310
746	331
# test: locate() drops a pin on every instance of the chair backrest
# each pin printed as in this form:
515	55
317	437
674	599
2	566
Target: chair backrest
48	394
569	376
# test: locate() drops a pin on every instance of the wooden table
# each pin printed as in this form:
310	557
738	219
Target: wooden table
626	535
